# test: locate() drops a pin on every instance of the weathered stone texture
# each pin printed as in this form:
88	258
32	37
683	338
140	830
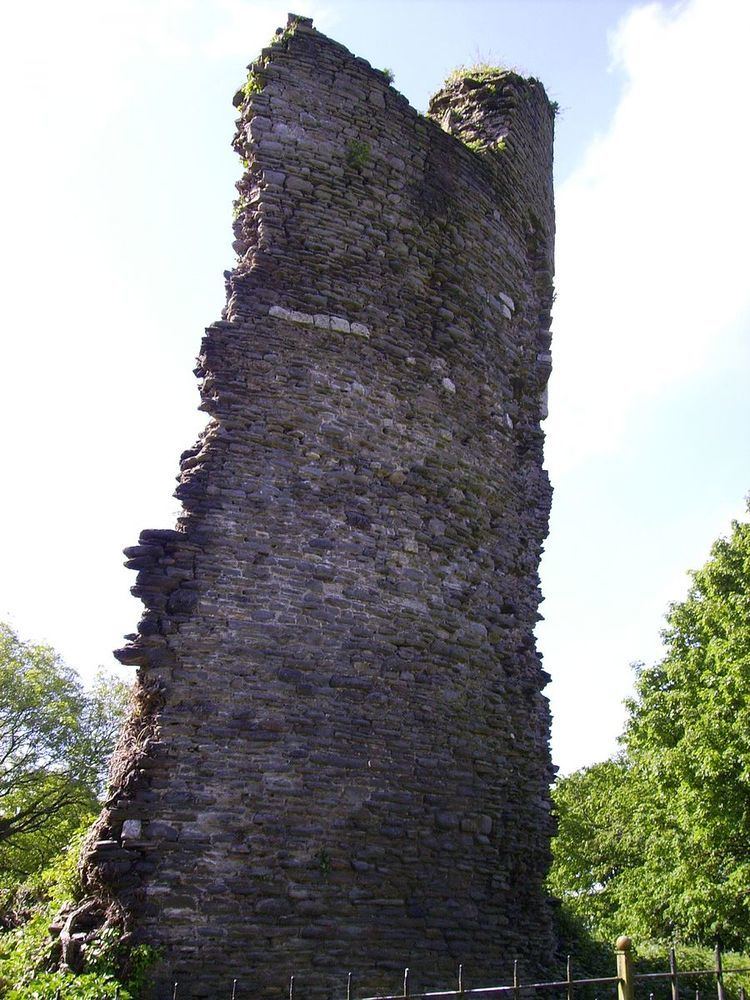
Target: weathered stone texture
340	756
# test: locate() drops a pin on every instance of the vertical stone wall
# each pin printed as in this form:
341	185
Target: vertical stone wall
339	758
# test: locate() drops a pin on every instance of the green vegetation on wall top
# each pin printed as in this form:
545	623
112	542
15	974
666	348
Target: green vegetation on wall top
480	71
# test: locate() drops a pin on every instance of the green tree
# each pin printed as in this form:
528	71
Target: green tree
657	842
596	845
55	738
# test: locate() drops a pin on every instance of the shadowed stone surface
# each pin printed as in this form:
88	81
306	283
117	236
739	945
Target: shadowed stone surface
339	757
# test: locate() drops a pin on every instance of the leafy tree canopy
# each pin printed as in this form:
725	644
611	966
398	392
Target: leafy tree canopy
55	739
657	841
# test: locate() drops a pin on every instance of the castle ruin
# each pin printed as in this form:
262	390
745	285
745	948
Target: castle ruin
339	756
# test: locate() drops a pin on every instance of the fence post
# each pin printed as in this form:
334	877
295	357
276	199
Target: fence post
624	968
719	973
673	974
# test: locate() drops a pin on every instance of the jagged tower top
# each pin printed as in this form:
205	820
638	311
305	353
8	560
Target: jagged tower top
319	127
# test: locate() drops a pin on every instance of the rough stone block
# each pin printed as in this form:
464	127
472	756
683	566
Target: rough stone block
131	829
339	324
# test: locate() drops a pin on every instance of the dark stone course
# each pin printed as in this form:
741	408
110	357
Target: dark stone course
338	759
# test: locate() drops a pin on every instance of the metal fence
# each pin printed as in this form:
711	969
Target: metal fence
624	980
623	983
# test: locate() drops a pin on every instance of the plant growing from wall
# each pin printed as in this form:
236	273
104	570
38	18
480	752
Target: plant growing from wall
323	859
282	36
240	205
252	85
357	154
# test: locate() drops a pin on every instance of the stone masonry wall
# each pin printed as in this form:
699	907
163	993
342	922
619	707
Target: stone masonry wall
339	756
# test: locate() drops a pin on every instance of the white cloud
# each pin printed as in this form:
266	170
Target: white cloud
652	251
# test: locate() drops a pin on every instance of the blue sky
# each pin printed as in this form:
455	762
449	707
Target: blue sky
116	191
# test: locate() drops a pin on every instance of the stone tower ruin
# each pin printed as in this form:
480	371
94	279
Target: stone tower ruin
339	754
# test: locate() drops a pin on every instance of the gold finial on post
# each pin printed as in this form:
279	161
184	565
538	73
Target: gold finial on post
624	968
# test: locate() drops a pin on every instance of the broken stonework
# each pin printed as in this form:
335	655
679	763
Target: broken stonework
339	755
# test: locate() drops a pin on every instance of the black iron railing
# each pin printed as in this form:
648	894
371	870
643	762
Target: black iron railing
625	981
